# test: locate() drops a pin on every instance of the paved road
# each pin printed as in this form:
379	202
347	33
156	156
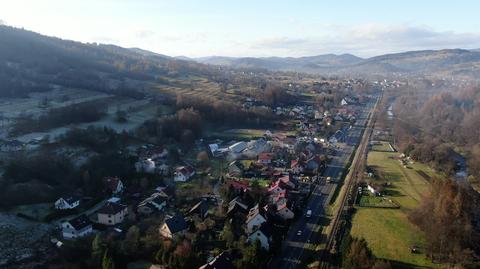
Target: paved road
295	247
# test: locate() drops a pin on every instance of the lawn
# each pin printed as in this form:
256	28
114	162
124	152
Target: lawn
382	146
34	211
376	201
388	232
261	182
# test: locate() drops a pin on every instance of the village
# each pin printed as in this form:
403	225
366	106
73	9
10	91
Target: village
252	187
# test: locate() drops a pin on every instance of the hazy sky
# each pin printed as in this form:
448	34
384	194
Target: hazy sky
255	28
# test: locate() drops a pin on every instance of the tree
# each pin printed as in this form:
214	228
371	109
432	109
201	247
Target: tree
227	234
202	158
358	256
131	243
446	216
97	251
253	256
381	264
107	262
121	116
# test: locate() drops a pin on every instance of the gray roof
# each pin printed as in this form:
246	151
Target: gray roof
176	223
80	222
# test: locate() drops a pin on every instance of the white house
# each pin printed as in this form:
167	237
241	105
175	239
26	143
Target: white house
67	203
76	227
262	234
183	173
343	102
255	218
112	214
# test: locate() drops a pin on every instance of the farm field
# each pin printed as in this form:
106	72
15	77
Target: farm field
388	232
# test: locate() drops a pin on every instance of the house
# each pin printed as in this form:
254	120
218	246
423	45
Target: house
296	167
222	261
11	146
338	118
265	158
373	189
183	173
238	147
166	191
343	102
337	137
287	182
236	206
156	202
263	234
284	212
255	218
145	166
235	169
275	188
113	185
111	214
163	169
173	227
200	209
67	203
313	163
76	227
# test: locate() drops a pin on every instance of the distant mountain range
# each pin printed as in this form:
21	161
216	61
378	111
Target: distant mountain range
447	62
31	62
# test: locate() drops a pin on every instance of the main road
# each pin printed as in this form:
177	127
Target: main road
296	246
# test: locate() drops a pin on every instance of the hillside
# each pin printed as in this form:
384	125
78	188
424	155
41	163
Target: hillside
448	62
33	62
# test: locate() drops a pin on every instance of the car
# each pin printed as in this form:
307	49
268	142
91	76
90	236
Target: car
299	232
309	213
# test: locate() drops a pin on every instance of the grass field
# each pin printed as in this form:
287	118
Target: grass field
382	146
388	232
376	201
34	211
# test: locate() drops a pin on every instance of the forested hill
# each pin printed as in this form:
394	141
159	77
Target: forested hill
33	62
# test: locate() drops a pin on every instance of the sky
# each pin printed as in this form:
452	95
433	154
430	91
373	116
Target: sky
258	28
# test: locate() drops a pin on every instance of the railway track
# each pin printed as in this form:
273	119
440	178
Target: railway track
356	171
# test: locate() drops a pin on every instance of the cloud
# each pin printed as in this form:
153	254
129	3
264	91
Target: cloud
104	39
143	34
366	40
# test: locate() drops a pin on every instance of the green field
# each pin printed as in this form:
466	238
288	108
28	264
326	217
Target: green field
382	146
388	232
376	201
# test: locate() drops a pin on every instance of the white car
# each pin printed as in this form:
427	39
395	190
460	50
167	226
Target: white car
309	213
